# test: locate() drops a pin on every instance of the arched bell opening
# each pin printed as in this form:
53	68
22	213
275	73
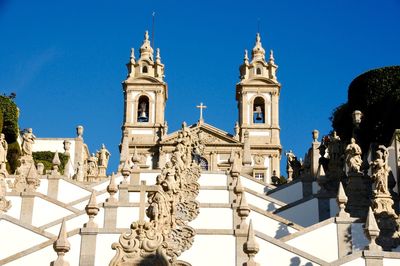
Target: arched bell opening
143	109
259	110
203	164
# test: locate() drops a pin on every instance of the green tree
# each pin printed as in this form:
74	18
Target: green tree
376	94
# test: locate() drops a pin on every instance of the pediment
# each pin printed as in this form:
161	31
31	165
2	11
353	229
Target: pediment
258	80
211	136
142	80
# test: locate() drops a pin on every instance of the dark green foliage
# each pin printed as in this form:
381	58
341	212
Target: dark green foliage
9	127
376	94
46	158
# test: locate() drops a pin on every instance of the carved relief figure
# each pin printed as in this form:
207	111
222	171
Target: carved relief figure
27	141
353	157
92	165
380	171
3	150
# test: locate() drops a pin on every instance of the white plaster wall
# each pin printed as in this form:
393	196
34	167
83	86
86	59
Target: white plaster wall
15	209
304	214
250	184
289	194
104	253
261	203
64	192
358	238
45	212
41	257
213	196
135	197
21	239
391	262
127	215
213	218
213	180
311	242
333	207
142	131
356	262
211	250
43	186
150	178
269	226
99	199
71	224
271	254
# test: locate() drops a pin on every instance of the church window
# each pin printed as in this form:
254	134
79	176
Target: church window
143	109
259	176
144	69
203	164
258	71
258	110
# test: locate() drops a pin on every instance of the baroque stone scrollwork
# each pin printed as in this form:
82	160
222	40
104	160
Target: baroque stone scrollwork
172	205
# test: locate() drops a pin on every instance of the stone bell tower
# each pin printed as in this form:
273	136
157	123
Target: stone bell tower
145	96
257	95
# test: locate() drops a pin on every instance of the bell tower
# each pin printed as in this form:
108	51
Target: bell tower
145	96
257	94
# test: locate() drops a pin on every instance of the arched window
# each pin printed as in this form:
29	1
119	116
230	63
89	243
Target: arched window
203	164
143	109
258	71
258	110
144	69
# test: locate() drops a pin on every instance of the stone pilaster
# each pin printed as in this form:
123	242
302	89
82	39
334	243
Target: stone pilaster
27	203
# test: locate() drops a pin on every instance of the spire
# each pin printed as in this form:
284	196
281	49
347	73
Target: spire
372	231
56	162
258	52
271	57
251	247
61	246
133	61
146	51
341	200
112	189
158	57
92	210
246	57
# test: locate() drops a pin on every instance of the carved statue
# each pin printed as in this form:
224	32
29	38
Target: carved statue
27	141
92	166
293	166
380	171
103	156
353	157
3	151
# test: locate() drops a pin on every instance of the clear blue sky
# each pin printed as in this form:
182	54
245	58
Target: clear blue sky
66	59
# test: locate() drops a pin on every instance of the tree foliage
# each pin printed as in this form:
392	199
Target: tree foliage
46	158
376	94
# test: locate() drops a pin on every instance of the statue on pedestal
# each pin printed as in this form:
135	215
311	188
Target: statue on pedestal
3	151
27	141
353	157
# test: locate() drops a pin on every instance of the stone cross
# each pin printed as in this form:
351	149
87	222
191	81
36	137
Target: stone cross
142	189
201	107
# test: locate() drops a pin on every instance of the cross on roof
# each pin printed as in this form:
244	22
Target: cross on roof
201	107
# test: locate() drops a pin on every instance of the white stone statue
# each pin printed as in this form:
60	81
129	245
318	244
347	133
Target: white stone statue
27	141
353	157
92	165
380	171
3	150
103	156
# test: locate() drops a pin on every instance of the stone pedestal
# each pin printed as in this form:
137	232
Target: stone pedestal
88	240
358	191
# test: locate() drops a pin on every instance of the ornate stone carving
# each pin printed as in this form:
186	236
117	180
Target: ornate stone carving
27	141
259	160
3	152
353	157
171	206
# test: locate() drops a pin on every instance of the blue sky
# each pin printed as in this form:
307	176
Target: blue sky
66	59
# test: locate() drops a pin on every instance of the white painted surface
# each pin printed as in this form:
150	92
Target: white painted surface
104	253
261	203
45	212
150	178
41	257
250	184
213	218
304	214
142	131
269	226
211	250
259	133
43	186
21	239
99	199
15	209
135	197
359	240
311	242
127	215
71	224
391	262
289	194
213	196
270	254
64	192
356	262
213	180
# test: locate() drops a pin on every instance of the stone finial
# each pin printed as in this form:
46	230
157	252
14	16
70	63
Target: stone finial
132	56
146	51
258	52
126	171
251	247
56	161
92	210
246	57
243	210
238	189
315	135
112	188
158	57
341	199
61	246
235	168
135	157
372	231
271	57
231	157
66	146
32	179
79	131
